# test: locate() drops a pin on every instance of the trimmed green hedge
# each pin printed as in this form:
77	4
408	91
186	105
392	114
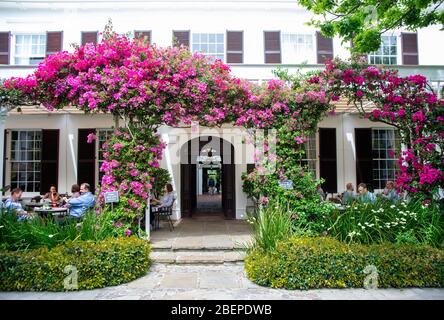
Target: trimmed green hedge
306	263
106	263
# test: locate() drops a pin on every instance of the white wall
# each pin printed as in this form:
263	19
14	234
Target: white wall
162	17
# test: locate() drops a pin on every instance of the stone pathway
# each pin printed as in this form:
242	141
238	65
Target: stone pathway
202	260
216	282
209	232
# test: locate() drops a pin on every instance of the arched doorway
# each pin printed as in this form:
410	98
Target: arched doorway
203	159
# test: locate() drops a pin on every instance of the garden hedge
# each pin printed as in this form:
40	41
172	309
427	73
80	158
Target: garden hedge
106	263
306	263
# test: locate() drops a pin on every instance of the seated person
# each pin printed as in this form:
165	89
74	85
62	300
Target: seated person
167	200
78	206
364	194
349	195
52	195
389	192
320	192
12	203
75	191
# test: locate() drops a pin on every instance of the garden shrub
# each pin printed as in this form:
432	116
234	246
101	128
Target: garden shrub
385	221
47	232
99	264
308	263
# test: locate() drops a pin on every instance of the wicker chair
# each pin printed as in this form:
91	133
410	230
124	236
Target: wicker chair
163	212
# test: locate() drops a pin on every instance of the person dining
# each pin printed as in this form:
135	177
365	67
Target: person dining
167	201
79	206
389	192
349	195
13	204
364	194
53	196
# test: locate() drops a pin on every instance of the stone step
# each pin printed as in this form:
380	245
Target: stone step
197	257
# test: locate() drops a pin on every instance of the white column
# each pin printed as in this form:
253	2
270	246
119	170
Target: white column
3	112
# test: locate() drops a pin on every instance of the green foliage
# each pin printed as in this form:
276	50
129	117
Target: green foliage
99	264
367	20
309	263
162	177
302	203
384	221
48	232
271	224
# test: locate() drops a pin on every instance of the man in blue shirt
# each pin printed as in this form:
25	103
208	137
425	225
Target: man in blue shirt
78	206
389	192
364	194
12	204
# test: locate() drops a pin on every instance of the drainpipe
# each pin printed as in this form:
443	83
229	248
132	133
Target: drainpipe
3	113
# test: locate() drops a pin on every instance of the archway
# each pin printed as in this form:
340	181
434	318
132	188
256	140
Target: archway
196	155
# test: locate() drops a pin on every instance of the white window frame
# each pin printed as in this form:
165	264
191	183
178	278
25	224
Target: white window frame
314	159
224	35
396	141
397	55
14	42
311	57
8	161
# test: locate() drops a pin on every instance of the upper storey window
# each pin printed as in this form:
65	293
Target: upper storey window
297	48
387	53
30	49
211	44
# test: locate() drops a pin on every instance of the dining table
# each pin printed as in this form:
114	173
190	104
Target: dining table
59	212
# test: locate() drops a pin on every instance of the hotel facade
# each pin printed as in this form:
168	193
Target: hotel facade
40	148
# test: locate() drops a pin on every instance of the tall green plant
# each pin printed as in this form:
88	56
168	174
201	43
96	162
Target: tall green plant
271	224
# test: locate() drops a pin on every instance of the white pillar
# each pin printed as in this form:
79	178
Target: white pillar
3	112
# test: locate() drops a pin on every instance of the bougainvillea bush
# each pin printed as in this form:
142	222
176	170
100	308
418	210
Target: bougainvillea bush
405	103
131	165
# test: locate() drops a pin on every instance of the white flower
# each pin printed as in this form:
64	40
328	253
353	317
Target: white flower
51	235
392	206
2	227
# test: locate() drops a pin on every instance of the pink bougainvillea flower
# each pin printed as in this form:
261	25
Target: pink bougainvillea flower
91	137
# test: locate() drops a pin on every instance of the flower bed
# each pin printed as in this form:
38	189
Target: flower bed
306	263
99	264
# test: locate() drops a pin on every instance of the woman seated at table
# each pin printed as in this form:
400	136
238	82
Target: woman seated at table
167	200
52	195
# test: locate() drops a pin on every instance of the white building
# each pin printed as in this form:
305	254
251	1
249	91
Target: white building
254	37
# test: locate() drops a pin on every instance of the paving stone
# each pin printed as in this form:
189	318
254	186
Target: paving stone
217	280
179	280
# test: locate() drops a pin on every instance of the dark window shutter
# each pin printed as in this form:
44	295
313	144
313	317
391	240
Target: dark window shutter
49	167
54	42
89	36
4	47
324	48
328	159
235	47
272	45
143	35
182	37
364	160
86	159
409	43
